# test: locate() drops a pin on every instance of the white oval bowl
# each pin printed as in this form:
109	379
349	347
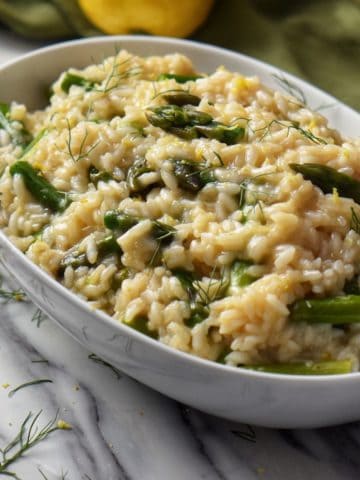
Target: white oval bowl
270	400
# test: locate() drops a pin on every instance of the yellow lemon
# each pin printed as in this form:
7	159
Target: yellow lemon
173	18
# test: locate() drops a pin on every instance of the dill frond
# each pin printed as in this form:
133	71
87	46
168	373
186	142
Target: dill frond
29	435
38	317
83	153
355	221
292	125
290	88
100	361
28	384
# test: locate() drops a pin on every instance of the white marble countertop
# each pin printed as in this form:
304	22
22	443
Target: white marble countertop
122	430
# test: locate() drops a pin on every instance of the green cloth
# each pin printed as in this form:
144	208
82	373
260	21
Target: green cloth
318	40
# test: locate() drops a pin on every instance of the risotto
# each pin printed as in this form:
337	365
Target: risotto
204	210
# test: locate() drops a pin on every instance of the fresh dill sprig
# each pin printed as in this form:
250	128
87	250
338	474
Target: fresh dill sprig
28	384
16	295
115	77
290	88
83	153
293	125
29	435
248	435
39	317
63	475
100	361
355	221
207	294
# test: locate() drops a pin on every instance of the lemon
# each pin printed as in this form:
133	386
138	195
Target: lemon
173	18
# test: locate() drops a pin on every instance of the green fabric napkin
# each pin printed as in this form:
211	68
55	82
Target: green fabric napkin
318	40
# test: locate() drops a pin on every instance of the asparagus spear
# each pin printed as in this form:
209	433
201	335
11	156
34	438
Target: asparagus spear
223	133
169	116
140	324
96	176
73	79
178	78
76	258
181	98
40	188
19	136
239	276
333	367
192	176
327	178
187	122
122	222
137	169
335	310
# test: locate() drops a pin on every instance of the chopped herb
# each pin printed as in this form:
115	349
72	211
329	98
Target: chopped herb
34	142
354	221
290	88
248	435
29	384
100	361
39	317
290	126
83	153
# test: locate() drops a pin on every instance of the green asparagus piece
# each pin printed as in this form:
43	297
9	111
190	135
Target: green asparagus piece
137	169
40	188
223	133
334	367
96	176
169	116
19	136
181	98
105	246
73	79
122	222
141	325
187	122
192	176
178	78
335	310
239	276
328	179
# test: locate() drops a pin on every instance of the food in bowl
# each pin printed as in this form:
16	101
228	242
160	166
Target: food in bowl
204	210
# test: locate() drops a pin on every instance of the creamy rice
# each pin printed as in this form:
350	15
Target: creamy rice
297	241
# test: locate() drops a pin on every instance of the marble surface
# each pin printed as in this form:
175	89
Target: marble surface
122	430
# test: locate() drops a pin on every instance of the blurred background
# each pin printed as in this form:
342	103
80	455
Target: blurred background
318	40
